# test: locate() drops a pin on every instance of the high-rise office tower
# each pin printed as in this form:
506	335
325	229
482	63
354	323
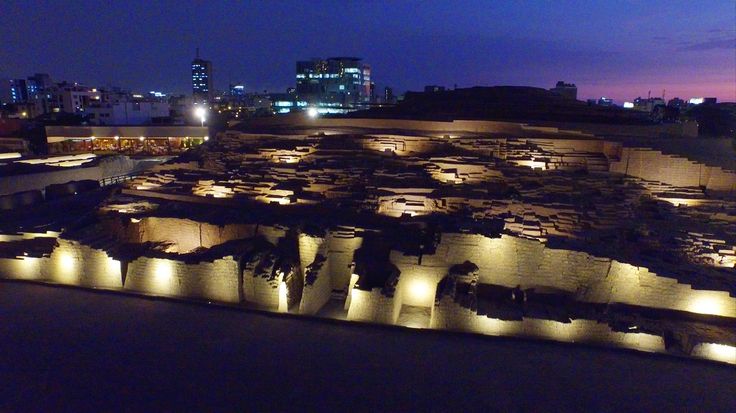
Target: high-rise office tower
336	82
201	79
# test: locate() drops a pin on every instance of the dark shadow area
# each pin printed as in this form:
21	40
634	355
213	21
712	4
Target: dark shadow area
71	350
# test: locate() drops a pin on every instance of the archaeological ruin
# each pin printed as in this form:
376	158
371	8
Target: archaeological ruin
566	234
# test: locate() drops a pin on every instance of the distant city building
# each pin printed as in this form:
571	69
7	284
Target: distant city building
388	95
41	80
32	93
285	102
677	103
567	90
74	98
262	102
604	101
38	95
695	101
179	109
18	91
128	113
433	88
334	85
237	91
201	79
649	104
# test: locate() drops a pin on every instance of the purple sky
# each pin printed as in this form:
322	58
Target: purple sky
620	49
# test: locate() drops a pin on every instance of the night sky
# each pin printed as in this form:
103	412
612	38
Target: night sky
619	49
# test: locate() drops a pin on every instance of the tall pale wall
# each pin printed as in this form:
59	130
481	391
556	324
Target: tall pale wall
401	144
653	165
186	235
448	315
260	291
565	146
316	294
309	246
372	306
70	263
511	261
720	180
713	351
273	233
481	126
217	280
338	247
341	247
507	261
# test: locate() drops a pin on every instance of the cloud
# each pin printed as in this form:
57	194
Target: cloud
711	44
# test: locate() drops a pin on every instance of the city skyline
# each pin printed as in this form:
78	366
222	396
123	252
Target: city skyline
619	50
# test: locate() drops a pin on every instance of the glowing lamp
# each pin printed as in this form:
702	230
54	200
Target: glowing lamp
201	113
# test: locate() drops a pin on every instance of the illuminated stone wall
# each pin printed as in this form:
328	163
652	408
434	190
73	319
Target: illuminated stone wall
317	280
480	126
259	290
316	294
713	351
372	306
511	261
186	235
507	261
273	233
217	280
653	165
451	316
332	271
70	263
341	246
402	145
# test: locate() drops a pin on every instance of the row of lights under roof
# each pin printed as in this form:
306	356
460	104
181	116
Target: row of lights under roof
142	138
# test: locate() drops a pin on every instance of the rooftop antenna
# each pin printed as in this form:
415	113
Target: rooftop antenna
663	90
649	95
198	53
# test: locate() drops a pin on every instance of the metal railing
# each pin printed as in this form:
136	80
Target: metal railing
112	180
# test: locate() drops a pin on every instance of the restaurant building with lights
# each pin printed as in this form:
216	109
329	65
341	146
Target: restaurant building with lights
131	140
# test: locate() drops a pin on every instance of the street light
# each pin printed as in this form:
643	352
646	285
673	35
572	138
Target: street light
312	112
201	113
